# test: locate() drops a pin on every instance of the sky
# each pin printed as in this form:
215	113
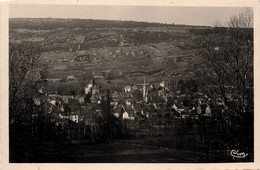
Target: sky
205	16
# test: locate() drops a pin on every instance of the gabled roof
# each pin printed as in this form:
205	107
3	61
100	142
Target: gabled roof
119	110
55	109
73	101
178	105
150	108
93	82
53	115
76	113
203	106
174	106
64	113
81	53
73	108
157	99
141	117
137	107
129	110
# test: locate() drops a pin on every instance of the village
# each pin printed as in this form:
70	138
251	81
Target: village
138	110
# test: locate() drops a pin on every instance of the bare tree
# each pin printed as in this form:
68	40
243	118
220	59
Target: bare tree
227	67
242	20
26	77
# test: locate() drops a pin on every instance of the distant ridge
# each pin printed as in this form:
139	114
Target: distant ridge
54	23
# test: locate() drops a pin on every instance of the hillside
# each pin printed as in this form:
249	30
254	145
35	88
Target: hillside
127	50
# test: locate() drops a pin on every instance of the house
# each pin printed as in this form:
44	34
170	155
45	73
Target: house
63	116
128	113
115	95
118	51
81	100
208	111
92	87
162	93
178	92
128	102
71	78
151	108
37	101
74	116
216	48
67	98
151	96
98	76
81	56
75	112
124	43
114	102
95	99
179	110
54	80
137	108
155	99
52	101
151	88
127	89
118	111
53	113
201	109
229	96
162	84
199	94
135	87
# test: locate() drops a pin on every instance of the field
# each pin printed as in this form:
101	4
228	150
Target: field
128	53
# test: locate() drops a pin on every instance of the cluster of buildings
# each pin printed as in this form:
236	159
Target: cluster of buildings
149	104
163	97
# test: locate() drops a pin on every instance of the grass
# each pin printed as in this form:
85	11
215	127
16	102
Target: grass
57	56
176	142
116	152
63	74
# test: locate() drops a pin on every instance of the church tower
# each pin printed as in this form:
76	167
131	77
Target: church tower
145	91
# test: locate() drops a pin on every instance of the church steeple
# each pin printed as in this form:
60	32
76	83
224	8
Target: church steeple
145	90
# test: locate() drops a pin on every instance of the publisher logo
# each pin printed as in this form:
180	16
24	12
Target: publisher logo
237	154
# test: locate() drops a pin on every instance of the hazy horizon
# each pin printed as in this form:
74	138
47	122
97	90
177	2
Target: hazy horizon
197	16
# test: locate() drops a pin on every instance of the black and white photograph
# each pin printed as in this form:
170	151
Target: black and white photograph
130	84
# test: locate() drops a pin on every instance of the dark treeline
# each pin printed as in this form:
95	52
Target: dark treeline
53	23
219	30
